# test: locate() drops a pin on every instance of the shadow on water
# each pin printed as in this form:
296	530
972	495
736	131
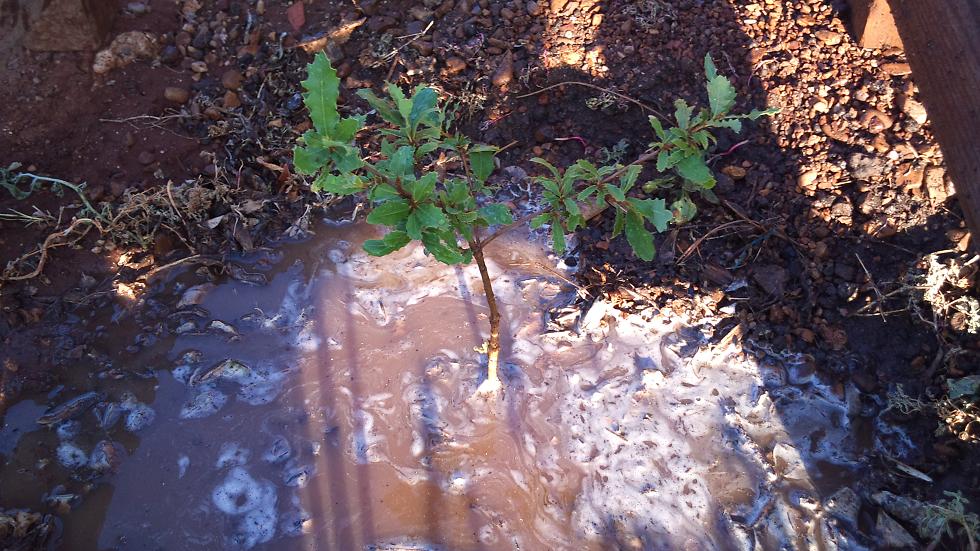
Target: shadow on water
667	43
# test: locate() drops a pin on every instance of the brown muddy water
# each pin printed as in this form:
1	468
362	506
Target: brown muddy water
334	408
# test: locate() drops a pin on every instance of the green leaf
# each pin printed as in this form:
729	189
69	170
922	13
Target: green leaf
587	192
615	192
343	184
308	160
431	216
549	185
384	192
403	104
551	168
557	235
628	179
682	112
539	220
384	108
684	210
734	124
638	237
422	188
322	88
755	114
456	191
497	213
481	161
402	162
694	169
618	223
654	210
424	102
389	244
390	213
709	67
721	95
658	127
438	247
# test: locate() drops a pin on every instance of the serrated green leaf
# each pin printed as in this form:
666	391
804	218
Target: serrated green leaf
684	210
390	213
694	169
308	160
496	213
575	213
549	185
390	243
581	170
347	128
654	210
682	112
322	88
701	137
456	191
342	184
658	127
587	192
721	95
734	124
628	179
618	223
615	192
481	161
638	237
402	104
709	67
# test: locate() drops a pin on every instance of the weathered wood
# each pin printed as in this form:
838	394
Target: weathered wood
942	42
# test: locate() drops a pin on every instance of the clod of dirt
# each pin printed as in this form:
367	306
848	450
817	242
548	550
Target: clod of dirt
125	49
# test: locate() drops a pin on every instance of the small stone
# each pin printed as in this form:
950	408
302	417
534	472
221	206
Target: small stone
231	101
865	167
232	79
829	38
533	8
808	179
896	69
558	5
915	110
170	55
876	121
145	158
199	67
736	172
505	71
455	65
176	94
845	506
935	179
772	279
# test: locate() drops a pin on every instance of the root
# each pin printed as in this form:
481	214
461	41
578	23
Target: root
53	240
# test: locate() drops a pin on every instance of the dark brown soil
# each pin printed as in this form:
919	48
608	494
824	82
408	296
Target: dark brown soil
837	198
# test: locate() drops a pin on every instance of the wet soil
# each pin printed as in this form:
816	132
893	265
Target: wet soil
840	197
342	411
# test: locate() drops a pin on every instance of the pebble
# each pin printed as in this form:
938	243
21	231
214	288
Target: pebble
145	158
915	110
736	172
808	179
176	94
829	38
170	55
455	65
533	8
199	67
505	71
231	100
232	79
896	69
876	121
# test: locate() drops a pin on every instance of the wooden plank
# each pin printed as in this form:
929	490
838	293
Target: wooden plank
942	42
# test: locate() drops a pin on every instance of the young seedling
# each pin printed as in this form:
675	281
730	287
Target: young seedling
450	211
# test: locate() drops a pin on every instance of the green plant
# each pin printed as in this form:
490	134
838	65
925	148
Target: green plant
449	207
12	179
939	519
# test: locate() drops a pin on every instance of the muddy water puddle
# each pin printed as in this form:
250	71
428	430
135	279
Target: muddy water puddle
334	408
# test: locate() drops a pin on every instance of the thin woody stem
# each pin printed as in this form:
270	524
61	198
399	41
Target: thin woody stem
493	345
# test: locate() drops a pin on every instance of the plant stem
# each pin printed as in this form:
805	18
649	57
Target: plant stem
493	345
